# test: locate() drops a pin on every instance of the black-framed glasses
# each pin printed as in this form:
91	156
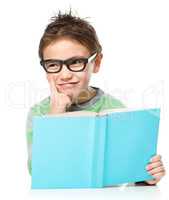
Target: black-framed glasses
73	64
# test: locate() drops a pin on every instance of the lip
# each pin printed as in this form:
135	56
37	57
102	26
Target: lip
68	85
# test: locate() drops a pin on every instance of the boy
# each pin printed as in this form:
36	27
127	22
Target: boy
70	52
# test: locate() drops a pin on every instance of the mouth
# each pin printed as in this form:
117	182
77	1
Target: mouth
67	85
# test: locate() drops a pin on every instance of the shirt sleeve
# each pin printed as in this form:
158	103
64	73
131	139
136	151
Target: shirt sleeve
29	136
143	183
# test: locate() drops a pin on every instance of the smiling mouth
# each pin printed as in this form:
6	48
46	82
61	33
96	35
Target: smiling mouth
67	85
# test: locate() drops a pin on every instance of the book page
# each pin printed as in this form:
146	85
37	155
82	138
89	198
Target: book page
108	111
94	114
73	114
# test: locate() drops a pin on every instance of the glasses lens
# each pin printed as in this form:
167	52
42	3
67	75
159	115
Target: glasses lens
52	66
77	65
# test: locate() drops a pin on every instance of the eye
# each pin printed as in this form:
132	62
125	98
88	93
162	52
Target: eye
78	61
53	65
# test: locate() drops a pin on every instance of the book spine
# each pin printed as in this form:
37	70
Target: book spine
98	152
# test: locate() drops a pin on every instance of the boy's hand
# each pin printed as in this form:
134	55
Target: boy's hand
59	101
156	169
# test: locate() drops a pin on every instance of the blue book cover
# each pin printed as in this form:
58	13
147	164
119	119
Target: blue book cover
93	150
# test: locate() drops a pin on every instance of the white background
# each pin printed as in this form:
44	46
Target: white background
135	39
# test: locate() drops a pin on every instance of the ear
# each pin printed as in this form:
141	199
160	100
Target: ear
97	63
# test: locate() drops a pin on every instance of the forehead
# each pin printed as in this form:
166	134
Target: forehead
64	49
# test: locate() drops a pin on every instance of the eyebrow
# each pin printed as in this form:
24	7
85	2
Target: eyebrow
74	57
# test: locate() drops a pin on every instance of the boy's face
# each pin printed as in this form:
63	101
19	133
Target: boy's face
68	82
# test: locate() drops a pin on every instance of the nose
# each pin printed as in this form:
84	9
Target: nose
65	73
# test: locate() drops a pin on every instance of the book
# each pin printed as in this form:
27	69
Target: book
85	149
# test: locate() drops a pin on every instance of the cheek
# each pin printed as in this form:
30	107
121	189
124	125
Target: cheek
84	78
51	77
86	75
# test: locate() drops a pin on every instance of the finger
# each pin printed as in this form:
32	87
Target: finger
156	170
154	165
70	97
155	158
159	175
53	88
151	182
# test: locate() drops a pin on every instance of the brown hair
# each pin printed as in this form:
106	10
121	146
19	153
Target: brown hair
69	26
